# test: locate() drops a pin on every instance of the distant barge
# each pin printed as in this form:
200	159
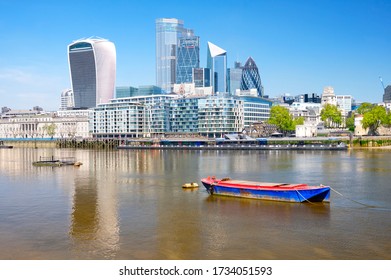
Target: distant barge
2	146
51	161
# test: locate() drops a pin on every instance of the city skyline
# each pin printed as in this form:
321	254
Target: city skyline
299	47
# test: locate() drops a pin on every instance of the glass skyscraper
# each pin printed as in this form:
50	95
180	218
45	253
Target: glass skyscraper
387	94
251	78
201	77
188	57
92	66
217	63
168	31
234	76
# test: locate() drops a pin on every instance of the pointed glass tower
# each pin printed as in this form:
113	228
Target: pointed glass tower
251	78
217	63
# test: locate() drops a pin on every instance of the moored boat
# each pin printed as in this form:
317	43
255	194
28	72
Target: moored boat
3	146
51	161
191	185
267	191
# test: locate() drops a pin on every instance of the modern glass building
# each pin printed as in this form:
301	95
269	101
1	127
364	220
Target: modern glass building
168	31
387	94
251	78
92	67
188	57
201	77
121	92
184	115
217	63
234	76
118	120
255	109
218	115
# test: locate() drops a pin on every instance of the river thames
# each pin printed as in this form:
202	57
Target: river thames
129	204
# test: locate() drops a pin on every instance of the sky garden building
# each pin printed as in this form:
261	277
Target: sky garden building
92	67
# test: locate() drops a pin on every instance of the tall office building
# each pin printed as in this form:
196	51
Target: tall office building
92	65
188	57
234	76
251	78
387	94
217	63
201	77
168	31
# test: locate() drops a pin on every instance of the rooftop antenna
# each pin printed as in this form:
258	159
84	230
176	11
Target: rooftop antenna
381	80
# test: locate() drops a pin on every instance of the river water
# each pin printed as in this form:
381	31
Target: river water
129	204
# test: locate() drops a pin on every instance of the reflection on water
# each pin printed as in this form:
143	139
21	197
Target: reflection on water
130	205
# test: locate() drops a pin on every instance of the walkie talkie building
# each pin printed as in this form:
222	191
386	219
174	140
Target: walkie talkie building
92	67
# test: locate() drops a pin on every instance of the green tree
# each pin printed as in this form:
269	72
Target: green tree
373	117
350	123
50	129
331	115
365	107
281	117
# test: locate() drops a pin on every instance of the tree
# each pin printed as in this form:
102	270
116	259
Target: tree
365	107
373	117
281	117
50	129
331	115
350	123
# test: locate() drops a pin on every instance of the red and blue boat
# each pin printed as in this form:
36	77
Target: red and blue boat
267	191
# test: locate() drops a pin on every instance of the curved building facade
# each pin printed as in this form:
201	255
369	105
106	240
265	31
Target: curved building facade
250	77
92	66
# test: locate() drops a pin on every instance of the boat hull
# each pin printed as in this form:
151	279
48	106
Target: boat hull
319	194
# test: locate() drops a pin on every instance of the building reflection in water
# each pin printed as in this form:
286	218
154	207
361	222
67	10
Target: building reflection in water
94	228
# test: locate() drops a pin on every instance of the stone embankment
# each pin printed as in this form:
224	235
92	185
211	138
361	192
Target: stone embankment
355	142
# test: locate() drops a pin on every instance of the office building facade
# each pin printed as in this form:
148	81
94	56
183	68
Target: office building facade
217	63
201	77
188	58
251	78
234	76
168	31
218	115
387	94
67	100
92	66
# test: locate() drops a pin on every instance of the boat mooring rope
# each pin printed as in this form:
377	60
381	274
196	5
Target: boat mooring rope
304	197
366	205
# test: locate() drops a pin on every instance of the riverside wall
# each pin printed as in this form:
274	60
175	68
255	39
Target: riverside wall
354	142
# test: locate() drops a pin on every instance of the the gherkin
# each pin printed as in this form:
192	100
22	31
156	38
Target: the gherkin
251	78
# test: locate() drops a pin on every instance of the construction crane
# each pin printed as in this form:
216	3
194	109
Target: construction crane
381	80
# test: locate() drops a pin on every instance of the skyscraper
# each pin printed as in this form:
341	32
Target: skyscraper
234	76
201	77
387	94
217	63
188	57
251	78
168	31
92	66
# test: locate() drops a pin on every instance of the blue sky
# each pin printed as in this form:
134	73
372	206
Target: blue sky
299	46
